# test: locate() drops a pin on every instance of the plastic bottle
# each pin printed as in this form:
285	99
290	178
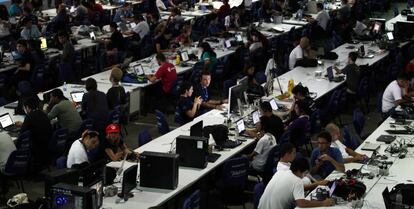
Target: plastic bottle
64	86
177	59
291	84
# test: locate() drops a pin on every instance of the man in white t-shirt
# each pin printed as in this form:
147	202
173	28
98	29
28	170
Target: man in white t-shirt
78	152
299	52
394	93
286	188
141	27
6	148
287	155
348	154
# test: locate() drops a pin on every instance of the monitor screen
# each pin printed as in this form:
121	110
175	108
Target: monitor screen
256	117
197	129
98	186
92	35
184	56
43	43
332	189
132	25
236	93
227	43
77	96
6	120
329	72
390	36
240	126
129	180
138	70
273	104
239	38
376	28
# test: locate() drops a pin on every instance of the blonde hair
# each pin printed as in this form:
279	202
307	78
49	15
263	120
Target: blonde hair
116	74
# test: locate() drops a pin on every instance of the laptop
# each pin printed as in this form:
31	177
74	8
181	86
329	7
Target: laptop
132	25
7	123
77	96
273	104
332	189
43	43
387	199
197	129
138	70
16	55
184	58
241	127
370	146
239	38
92	35
331	77
386	138
390	36
256	117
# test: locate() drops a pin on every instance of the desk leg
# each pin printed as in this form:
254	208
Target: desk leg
135	101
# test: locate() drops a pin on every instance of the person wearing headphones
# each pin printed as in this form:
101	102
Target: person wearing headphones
78	152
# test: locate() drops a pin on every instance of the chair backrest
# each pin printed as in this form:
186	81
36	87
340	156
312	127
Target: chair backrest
363	87
315	122
260	77
113	116
379	102
59	141
192	201
162	124
144	137
23	141
196	72
18	162
86	125
333	104
358	120
257	194
235	173
61	162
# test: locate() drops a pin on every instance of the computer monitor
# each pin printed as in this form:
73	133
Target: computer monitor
256	116
98	186
43	43
139	70
390	36
6	120
77	96
404	30
197	129
184	56
273	104
129	182
92	173
235	93
377	25
387	199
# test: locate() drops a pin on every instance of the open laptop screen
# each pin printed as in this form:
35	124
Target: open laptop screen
43	43
273	104
6	120
240	126
138	70
256	117
77	96
184	56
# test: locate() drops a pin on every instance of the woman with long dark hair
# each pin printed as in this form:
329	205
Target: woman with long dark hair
208	56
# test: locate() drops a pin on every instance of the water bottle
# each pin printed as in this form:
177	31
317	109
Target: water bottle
398	199
64	86
325	5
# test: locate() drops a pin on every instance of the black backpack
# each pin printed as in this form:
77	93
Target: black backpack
348	188
407	191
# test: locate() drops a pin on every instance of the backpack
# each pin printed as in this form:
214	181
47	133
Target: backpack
349	188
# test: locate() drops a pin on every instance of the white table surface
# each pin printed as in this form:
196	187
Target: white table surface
343	52
389	25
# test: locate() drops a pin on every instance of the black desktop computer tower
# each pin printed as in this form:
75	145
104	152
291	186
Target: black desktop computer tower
193	151
158	170
71	196
67	175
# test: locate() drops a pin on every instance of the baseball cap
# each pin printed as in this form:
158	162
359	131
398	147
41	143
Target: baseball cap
112	128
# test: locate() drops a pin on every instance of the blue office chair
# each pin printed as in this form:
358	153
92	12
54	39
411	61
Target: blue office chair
358	120
257	194
260	77
17	166
162	124
349	140
144	137
38	77
315	122
86	125
23	141
113	116
192	201
61	162
226	86
363	91
59	142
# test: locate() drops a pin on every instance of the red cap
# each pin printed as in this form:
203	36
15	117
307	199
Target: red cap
112	128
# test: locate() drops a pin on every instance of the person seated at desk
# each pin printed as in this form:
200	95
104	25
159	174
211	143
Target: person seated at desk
266	142
162	42
115	46
187	107
61	108
324	158
320	22
15	9
280	6
184	39
353	75
301	93
26	62
208	56
95	105
141	28
164	5
28	13
175	21
60	22
37	122
266	11
256	41
348	154
29	31
166	73
301	51
24	92
201	90
215	28
81	14
116	94
115	147
78	152
396	93
233	21
287	155
95	10
66	66
277	129
224	10
123	14
299	126
288	186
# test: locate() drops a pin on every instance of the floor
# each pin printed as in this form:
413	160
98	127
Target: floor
35	189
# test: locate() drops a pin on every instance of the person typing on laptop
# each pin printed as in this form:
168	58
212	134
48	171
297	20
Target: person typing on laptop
115	147
78	152
277	124
348	154
201	90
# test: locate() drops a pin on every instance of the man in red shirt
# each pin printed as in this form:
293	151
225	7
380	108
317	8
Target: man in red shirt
166	73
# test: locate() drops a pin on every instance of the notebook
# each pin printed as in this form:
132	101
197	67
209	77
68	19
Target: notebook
370	146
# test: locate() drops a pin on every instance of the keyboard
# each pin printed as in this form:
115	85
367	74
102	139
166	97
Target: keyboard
13	129
231	144
213	157
402	131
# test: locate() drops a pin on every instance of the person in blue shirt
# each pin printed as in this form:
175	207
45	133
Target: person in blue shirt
201	89
300	125
123	14
15	8
187	108
324	158
215	28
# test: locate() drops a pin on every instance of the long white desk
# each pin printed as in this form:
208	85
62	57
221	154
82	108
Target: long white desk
195	13
149	197
345	49
389	25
